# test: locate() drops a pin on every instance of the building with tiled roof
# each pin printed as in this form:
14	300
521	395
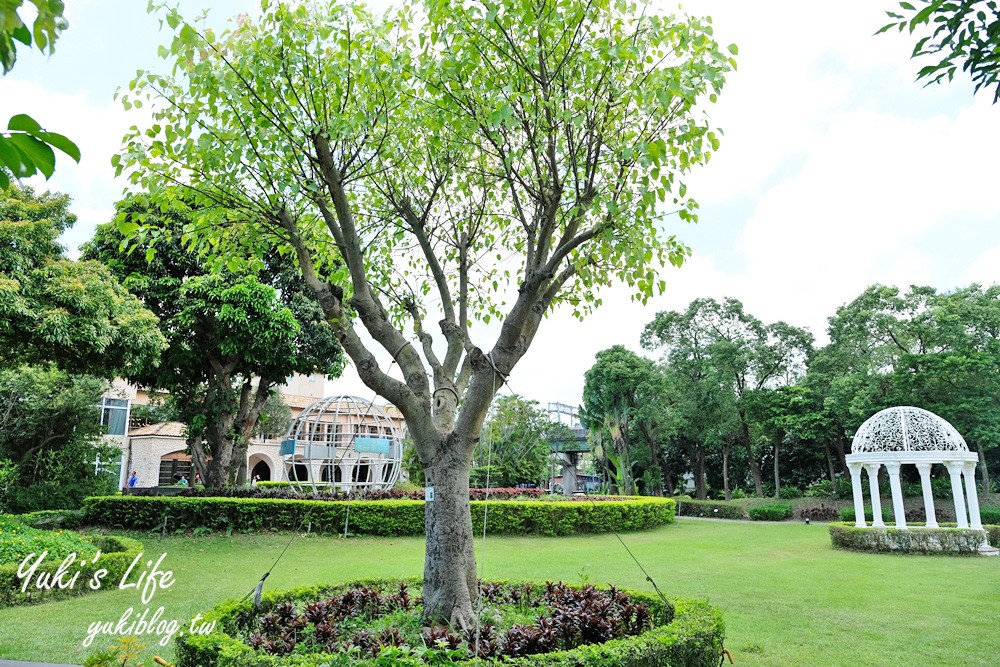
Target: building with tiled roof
158	452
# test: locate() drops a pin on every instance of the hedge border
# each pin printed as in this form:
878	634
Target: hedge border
693	639
388	518
943	541
117	553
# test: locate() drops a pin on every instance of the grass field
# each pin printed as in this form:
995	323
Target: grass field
788	598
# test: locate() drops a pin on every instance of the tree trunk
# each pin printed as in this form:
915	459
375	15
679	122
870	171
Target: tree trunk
252	402
777	478
758	481
699	473
725	471
199	466
829	463
985	473
841	453
450	583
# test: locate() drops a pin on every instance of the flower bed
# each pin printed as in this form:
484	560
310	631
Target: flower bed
378	623
18	541
943	540
367	517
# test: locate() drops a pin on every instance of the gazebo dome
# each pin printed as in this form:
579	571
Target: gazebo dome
907	429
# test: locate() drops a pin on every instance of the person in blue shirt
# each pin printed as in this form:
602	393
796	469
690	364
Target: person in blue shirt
133	480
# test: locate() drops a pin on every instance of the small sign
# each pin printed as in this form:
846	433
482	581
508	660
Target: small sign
372	445
287	447
429	493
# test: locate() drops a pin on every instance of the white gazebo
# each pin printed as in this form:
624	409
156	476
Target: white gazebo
906	435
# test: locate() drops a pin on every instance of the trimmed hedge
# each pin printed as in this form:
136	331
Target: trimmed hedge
328	491
380	517
770	512
714	509
990	515
117	553
916	540
693	639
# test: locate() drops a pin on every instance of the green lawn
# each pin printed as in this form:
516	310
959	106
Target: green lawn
787	596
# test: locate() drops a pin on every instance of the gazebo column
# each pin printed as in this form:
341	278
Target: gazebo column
859	501
872	469
955	471
969	469
925	484
897	495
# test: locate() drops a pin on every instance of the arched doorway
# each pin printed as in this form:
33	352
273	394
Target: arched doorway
173	466
298	472
261	471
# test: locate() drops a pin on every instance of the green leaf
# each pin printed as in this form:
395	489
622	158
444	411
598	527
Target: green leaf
62	143
23	123
37	153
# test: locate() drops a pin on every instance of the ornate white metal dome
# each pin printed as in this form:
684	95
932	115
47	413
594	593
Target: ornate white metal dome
345	441
907	429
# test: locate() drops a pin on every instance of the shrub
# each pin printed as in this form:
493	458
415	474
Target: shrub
738	494
912	489
715	509
117	553
770	512
820	489
49	519
17	540
990	515
789	492
896	540
693	638
367	517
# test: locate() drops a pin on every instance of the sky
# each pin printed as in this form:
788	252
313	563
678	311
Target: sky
836	171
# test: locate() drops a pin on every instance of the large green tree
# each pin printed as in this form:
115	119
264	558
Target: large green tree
624	394
513	449
741	350
470	161
960	35
50	434
232	336
938	351
52	309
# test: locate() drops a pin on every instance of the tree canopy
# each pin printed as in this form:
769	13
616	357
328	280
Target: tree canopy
232	337
74	314
963	34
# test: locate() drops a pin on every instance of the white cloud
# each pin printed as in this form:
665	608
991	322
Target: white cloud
96	129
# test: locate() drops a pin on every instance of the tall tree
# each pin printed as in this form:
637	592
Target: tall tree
744	352
480	160
624	393
513	449
52	309
964	34
232	338
938	351
50	435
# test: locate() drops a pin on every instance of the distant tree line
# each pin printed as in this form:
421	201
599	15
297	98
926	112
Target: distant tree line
748	407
